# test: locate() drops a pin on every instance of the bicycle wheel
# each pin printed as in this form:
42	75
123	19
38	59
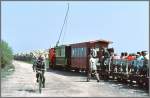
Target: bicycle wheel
40	83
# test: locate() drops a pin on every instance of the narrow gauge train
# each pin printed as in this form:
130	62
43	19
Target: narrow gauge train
76	57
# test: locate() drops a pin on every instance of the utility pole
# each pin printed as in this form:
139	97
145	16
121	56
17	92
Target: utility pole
63	25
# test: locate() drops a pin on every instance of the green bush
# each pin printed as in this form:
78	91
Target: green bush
6	54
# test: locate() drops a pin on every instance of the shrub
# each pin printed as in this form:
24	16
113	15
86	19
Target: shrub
6	54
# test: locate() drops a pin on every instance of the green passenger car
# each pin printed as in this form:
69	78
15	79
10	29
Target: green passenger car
63	55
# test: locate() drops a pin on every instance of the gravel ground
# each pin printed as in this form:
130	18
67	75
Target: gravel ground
22	83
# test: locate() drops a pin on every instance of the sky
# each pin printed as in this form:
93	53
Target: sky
36	25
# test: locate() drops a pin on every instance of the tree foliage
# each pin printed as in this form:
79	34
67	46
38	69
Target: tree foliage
23	57
6	54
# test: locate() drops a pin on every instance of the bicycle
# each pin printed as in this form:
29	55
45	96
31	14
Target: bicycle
40	79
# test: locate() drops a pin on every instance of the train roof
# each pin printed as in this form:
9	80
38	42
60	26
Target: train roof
91	41
62	46
101	40
95	41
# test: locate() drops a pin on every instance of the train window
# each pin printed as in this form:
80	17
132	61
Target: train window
80	52
77	52
84	52
73	52
58	52
62	52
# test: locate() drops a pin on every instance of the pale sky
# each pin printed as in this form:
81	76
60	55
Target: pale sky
36	25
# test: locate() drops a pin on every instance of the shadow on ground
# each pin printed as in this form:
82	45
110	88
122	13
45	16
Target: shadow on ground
67	73
28	90
115	83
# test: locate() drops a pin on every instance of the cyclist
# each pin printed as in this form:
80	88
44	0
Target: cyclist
40	66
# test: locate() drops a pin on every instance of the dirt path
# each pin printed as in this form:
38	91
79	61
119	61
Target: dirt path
61	84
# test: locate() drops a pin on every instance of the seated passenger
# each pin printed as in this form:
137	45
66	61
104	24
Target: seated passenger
131	57
116	56
116	59
122	55
125	55
140	57
138	63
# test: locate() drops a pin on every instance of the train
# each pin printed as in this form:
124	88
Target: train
76	57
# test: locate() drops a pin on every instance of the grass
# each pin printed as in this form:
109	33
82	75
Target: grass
7	70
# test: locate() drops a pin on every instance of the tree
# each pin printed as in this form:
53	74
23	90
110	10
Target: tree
6	54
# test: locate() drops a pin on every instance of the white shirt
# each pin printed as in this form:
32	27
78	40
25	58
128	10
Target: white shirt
147	56
93	63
